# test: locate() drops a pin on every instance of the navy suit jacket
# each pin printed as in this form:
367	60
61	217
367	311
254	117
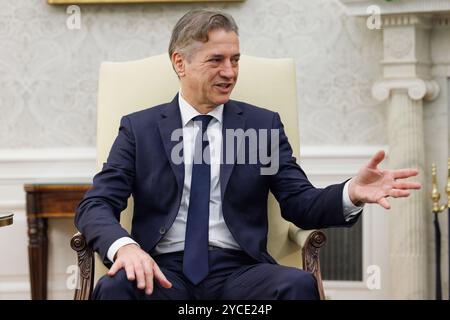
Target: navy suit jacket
140	164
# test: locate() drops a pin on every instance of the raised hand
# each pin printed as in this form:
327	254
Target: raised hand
373	185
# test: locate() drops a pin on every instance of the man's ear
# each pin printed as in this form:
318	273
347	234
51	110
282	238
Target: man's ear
178	63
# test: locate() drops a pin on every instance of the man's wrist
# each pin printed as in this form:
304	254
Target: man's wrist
351	194
119	243
350	209
124	247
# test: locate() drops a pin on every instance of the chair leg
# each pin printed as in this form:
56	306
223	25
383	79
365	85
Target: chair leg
85	265
310	254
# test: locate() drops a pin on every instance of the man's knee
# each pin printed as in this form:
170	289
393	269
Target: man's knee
115	287
298	284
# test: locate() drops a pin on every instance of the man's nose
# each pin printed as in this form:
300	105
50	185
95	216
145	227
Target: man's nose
228	71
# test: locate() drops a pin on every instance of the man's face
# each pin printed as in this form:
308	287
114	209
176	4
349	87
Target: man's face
210	73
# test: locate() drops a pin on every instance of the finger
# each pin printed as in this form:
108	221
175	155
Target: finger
129	269
384	203
397	193
405	173
376	159
407	185
161	277
140	276
148	279
115	267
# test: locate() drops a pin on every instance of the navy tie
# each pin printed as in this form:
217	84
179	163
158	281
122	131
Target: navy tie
195	258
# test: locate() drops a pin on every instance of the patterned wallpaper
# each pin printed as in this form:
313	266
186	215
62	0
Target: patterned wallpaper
48	73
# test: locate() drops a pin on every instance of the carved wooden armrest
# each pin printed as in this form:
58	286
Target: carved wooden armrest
310	242
85	265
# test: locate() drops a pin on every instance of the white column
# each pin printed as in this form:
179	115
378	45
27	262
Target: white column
406	82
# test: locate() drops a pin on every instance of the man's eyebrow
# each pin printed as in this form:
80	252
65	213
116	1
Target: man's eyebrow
216	56
221	56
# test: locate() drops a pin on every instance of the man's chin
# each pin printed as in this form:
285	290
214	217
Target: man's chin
222	100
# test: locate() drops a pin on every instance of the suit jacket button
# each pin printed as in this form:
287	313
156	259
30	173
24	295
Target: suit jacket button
162	230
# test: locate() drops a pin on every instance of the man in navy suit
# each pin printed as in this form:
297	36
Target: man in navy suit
200	224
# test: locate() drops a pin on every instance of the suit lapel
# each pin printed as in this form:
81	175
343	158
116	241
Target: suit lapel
232	119
171	121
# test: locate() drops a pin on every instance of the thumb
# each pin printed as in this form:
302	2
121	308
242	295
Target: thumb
376	159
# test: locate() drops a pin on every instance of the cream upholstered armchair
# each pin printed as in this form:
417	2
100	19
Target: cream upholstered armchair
127	87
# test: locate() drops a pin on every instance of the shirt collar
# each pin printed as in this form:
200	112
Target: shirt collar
188	112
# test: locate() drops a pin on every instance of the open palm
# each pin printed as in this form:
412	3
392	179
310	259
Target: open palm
373	185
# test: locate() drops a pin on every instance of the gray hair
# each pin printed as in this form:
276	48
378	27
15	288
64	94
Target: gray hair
195	26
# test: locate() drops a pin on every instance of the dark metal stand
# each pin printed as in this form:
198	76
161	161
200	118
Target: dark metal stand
437	238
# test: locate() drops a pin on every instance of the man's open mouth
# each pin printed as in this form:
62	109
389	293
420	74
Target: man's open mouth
224	87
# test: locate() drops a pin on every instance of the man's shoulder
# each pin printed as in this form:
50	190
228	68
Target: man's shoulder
147	115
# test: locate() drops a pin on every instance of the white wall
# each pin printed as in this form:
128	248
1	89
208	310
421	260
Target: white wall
48	73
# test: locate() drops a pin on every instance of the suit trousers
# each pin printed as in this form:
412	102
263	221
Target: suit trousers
234	275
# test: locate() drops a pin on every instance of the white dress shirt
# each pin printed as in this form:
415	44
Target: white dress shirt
219	234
